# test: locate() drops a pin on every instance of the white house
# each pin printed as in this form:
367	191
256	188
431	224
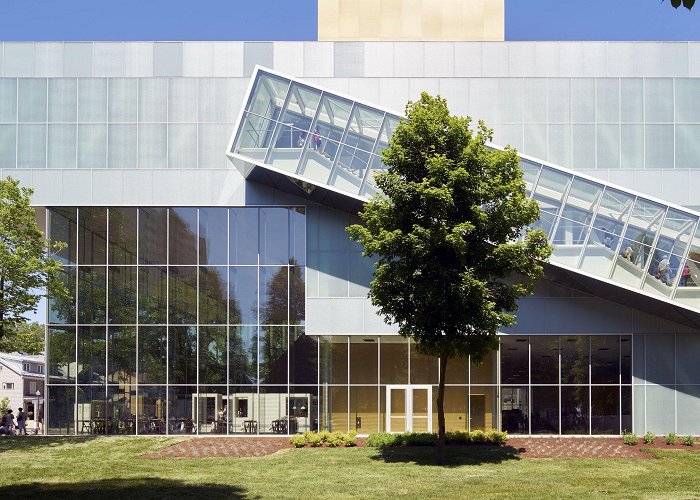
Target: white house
22	381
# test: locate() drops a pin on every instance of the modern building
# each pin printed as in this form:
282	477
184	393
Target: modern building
215	290
22	381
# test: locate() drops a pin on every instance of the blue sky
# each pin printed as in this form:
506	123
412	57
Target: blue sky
296	20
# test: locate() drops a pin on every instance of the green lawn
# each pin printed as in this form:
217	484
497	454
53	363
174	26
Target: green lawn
80	468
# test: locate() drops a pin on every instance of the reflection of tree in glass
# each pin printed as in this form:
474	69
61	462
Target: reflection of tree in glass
212	299
61	353
62	305
285	294
122	355
273	355
152	355
212	355
92	289
122	236
122	295
576	353
152	295
242	355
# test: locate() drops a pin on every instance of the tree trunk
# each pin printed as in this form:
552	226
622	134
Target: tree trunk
441	410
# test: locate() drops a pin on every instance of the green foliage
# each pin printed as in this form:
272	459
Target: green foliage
325	436
4	405
385	440
445	230
671	438
25	258
689	441
630	438
297	440
314	440
350	439
688	4
649	438
24	337
336	439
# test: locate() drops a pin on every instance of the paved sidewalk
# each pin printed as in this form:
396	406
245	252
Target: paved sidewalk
528	447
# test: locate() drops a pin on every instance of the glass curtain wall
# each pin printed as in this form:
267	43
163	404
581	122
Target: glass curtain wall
180	321
315	134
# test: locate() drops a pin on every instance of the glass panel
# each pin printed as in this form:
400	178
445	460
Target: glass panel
255	136
297	235
303	409
122	294
122	105
605	410
243	355
483	408
242	409
62	146
153	145
212	410
182	146
243	223
419	410
92	288
212	354
181	410
213	236
568	241
8	100
61	354
8	145
273	411
153	242
625	359
63	99
297	299
31	146
626	404
62	309
530	172
122	236
182	355
152	295
121	348
424	368
394	361
92	235
91	354
182	100
574	410
63	227
151	410
268	95
287	147
364	409
514	410
514	360
152	341
183	235
92	99
121	145
303	357
92	146
334	359
213	287
120	402
274	295
182	287
574	360
301	108
243	295
273	354
544	360
545	410
397	410
605	359
60	412
153	105
32	100
484	372
274	236
92	411
350	169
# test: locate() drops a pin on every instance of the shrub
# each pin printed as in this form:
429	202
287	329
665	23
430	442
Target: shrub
630	439
457	437
419	438
314	439
477	436
325	436
298	441
380	440
689	441
649	438
671	438
496	437
350	439
336	439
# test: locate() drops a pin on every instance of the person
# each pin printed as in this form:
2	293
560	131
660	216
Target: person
300	141
664	270
628	253
2	425
9	422
316	140
685	275
21	422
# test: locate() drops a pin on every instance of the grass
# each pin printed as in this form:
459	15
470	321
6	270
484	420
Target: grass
111	468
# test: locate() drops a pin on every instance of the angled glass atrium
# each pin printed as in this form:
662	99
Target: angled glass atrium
324	140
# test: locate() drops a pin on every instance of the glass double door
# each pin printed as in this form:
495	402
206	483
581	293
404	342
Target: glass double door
409	408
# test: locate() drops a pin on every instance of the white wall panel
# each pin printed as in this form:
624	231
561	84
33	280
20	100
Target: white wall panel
676	186
197	59
468	59
138	187
109	59
288	58
418	85
456	91
228	59
393	93
138	59
409	59
494	59
547	59
48	59
107	186
366	89
439	59
18	59
318	59
77	187
521	59
379	59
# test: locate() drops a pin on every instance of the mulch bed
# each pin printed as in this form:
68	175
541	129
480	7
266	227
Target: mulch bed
527	447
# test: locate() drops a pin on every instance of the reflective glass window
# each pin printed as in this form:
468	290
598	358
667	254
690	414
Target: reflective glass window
183	235
182	355
274	236
605	410
152	410
303	357
544	359
153	351
605	359
393	353
274	295
334	359
62	100
514	410
62	308
60	357
122	236
152	296
63	227
213	290
92	291
182	295
121	348
574	360
212	354
273	355
181	411
243	295
268	96
92	354
213	236
545	410
32	100
121	281
242	248
92	235
243	355
514	360
574	410
153	235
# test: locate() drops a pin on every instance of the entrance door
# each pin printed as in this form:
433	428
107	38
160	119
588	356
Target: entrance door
409	408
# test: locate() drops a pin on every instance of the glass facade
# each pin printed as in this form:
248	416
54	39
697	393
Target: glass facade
180	320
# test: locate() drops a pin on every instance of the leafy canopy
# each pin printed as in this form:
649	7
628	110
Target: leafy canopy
25	257
445	229
23	337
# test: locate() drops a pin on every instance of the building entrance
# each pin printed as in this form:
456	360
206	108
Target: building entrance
409	408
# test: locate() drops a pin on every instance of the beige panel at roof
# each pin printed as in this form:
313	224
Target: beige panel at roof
366	20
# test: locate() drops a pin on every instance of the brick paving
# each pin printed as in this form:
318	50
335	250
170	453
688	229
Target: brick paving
527	447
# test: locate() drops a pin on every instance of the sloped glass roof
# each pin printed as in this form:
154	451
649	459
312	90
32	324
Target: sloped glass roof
322	140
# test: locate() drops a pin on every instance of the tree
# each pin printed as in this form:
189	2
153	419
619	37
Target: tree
688	4
445	228
24	337
26	264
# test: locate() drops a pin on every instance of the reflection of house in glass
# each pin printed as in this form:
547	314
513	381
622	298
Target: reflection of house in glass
215	291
